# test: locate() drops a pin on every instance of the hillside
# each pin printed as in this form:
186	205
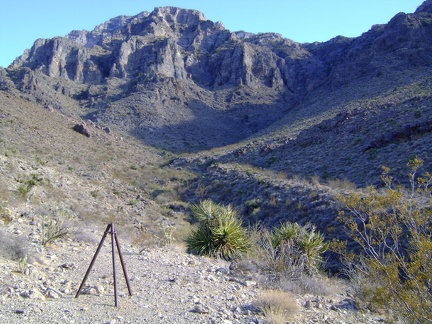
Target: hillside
53	175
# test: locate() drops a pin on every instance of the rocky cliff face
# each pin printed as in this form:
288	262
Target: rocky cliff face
167	43
172	74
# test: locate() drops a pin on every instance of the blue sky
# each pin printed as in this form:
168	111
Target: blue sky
24	21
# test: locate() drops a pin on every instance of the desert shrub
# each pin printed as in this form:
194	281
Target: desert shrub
83	236
310	285
26	185
219	232
13	247
52	229
277	306
391	262
6	215
292	250
166	234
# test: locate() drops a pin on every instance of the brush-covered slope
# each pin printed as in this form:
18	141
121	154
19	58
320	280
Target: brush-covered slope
50	170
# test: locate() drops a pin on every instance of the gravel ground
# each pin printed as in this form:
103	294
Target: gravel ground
168	286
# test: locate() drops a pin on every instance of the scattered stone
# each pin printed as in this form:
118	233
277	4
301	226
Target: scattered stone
221	271
68	265
200	309
167	283
32	294
249	283
52	293
80	128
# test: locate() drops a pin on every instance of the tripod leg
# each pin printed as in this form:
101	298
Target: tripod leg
123	265
93	260
113	235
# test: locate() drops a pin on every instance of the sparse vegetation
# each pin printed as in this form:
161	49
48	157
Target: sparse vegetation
26	185
13	248
290	251
278	306
5	214
52	229
392	262
219	232
166	234
297	249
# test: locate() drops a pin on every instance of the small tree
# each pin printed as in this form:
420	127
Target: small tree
219	233
393	232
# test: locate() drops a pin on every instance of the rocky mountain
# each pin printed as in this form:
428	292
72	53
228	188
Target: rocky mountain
183	83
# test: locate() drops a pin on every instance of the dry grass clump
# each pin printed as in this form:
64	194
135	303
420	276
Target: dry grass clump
343	184
278	306
12	247
15	248
6	215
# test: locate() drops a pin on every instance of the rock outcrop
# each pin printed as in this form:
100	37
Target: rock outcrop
156	74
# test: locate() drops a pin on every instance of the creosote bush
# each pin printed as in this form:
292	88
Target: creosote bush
219	232
392	261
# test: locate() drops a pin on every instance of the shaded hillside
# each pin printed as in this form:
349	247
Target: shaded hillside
350	140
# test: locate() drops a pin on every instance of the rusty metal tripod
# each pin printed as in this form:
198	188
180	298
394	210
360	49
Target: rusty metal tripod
110	229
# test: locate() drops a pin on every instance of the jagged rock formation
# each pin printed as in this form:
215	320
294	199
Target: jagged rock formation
168	58
181	82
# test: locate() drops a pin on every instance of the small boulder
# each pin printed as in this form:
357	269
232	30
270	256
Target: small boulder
80	128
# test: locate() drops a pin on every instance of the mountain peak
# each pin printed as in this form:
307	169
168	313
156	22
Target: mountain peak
178	15
425	7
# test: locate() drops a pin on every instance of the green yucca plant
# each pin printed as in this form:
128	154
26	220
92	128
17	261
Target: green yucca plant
296	248
287	231
219	233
